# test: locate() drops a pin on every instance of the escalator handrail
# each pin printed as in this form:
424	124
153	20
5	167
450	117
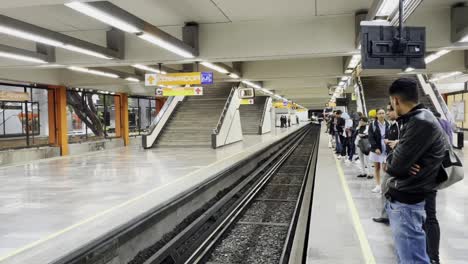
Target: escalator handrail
224	112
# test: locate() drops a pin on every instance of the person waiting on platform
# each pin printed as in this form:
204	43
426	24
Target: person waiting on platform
378	131
413	170
289	121
362	141
391	141
339	124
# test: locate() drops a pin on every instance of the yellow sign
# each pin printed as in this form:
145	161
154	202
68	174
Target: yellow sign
179	78
182	91
247	102
282	105
301	110
150	79
13	96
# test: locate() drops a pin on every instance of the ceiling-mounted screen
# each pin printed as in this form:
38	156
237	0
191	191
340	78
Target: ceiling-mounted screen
382	49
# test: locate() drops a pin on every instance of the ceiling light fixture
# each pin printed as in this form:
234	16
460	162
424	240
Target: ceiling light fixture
51	42
85	51
148	68
214	67
251	84
409	69
446	76
387	7
21	57
29	36
166	45
348	71
102	16
434	56
233	75
131	79
95	72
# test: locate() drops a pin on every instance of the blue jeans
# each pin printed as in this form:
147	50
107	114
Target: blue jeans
406	222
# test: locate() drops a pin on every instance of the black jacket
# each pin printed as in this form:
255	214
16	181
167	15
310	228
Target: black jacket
340	124
422	142
393	134
375	137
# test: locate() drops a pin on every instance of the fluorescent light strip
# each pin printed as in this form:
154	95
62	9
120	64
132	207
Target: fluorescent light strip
409	69
147	68
446	76
387	8
348	71
234	76
104	17
36	38
435	56
85	51
214	67
95	72
131	79
29	36
166	45
21	57
464	39
251	84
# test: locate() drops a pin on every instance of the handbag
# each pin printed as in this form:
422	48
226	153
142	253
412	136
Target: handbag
451	170
364	145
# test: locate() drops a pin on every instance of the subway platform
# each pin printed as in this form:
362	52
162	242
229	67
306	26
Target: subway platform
55	205
341	226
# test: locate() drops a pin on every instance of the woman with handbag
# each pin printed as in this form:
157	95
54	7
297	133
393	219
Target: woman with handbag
378	131
363	145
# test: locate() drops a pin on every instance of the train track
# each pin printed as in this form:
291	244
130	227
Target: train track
249	213
255	222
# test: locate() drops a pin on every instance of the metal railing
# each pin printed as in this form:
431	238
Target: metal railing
225	110
265	106
440	101
161	113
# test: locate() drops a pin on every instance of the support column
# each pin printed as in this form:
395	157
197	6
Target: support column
118	115
59	117
124	128
51	114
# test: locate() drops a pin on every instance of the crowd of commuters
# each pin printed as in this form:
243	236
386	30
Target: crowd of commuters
405	143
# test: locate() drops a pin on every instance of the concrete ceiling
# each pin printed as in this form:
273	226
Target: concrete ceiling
295	47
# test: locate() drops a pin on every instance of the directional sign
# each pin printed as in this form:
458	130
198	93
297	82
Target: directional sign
206	78
151	79
159	92
182	91
13	96
247	102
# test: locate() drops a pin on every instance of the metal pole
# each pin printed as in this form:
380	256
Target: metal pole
400	33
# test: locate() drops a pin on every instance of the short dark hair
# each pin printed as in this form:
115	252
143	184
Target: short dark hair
339	112
406	89
437	114
364	119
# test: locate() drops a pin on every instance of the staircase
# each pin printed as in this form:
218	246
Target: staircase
195	118
376	92
251	116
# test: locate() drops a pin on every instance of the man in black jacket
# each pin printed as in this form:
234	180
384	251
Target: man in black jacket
339	129
413	170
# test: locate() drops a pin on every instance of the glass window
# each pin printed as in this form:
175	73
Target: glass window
141	112
24	123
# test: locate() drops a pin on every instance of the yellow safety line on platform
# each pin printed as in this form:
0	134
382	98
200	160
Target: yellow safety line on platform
365	247
54	235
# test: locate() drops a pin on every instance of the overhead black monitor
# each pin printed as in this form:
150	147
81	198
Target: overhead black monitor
342	101
382	48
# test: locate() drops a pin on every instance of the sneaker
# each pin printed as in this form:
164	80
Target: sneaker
347	162
357	161
361	176
377	189
338	157
370	176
